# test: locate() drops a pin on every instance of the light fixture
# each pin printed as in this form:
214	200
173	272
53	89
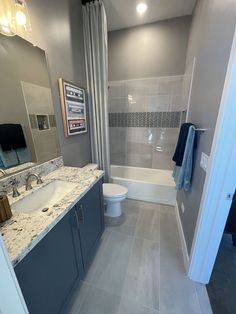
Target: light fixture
141	8
14	17
22	16
7	17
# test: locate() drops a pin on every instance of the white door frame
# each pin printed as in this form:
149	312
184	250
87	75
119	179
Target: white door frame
220	182
11	298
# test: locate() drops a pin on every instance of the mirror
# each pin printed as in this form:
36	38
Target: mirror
28	133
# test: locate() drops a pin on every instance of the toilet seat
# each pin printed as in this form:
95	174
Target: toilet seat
114	190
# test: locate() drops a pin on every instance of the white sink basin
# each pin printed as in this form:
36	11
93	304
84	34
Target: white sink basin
44	197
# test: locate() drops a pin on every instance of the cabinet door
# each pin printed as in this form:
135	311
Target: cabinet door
49	272
91	222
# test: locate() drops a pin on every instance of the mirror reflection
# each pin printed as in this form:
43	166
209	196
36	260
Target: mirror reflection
28	133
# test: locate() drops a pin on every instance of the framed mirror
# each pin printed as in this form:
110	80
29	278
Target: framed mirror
28	132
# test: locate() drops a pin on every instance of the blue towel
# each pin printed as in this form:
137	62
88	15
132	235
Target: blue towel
1	163
23	155
8	158
182	175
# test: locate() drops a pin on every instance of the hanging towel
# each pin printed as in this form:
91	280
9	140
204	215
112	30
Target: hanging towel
182	175
1	163
23	155
180	148
8	158
11	137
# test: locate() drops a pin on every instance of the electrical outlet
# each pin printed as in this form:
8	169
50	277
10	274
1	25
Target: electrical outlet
182	207
204	161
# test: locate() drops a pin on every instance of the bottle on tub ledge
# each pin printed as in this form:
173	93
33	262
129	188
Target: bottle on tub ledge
5	209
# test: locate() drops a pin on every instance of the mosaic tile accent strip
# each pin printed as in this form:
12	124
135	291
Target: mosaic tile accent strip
146	119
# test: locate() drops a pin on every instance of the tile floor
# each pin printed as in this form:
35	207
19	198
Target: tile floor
139	268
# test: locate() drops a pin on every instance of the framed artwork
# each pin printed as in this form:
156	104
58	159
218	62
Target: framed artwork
73	108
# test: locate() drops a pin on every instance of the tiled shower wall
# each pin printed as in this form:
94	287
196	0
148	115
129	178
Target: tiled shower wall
144	118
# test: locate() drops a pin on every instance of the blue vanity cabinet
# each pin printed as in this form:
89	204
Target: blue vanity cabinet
51	269
49	273
90	216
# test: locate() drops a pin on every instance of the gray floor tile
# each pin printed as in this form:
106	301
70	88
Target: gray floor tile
92	300
148	225
109	268
139	268
203	299
169	235
131	212
131	307
78	298
178	294
142	280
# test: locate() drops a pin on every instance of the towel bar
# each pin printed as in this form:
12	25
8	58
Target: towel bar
200	130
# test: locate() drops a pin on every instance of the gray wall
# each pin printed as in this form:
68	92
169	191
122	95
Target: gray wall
57	28
210	41
157	49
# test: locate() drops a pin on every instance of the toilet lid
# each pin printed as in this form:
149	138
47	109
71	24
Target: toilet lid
113	190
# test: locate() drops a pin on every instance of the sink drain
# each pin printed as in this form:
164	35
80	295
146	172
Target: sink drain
45	209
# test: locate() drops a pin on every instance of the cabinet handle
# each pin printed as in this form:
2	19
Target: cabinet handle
81	214
77	218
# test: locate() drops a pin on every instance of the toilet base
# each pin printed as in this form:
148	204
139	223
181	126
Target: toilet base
113	210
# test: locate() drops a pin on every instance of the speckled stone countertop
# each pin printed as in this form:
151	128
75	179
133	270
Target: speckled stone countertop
23	231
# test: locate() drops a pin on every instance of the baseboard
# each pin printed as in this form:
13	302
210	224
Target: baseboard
182	238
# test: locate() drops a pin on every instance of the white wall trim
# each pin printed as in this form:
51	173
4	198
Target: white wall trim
182	239
220	181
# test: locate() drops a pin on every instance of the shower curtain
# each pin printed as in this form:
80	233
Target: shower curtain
96	57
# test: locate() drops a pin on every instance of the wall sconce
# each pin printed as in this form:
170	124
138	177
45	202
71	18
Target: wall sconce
14	17
7	17
22	16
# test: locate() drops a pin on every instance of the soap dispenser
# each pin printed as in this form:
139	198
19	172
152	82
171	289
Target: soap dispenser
5	209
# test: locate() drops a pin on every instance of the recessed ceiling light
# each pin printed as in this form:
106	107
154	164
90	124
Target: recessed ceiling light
141	8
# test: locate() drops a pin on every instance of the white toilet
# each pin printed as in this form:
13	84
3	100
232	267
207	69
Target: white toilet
113	195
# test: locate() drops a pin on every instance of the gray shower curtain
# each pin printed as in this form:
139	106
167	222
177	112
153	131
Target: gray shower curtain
96	56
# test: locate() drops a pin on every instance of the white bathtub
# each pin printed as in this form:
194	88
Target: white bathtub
151	185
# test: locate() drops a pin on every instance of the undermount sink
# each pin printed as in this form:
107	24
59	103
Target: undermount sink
44	197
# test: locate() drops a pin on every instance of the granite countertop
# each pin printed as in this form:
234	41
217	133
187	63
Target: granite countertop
23	231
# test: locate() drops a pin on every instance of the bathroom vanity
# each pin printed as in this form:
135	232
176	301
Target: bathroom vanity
51	250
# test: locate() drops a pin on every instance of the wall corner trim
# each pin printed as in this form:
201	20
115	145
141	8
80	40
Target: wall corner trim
182	239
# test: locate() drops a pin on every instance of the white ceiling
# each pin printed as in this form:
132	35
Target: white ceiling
122	13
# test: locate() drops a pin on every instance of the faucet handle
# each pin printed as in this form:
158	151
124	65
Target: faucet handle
14	184
39	180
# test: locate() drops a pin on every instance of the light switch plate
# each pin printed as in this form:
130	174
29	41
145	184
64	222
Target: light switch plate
204	161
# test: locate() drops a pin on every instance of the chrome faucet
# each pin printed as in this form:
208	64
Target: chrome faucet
3	172
29	180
